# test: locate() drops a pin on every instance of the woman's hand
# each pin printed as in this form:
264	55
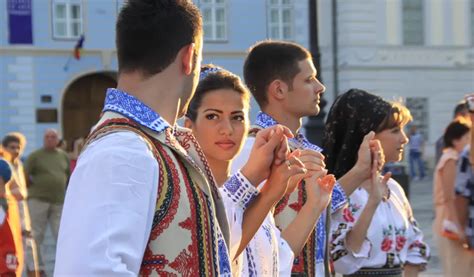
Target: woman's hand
319	189
378	189
270	147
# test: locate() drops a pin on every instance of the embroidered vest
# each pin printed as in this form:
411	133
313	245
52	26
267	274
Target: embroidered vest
189	229
285	211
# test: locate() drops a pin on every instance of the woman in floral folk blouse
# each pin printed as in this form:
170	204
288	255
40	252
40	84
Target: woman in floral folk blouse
376	234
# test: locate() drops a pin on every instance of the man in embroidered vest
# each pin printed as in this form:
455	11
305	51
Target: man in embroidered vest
283	80
141	199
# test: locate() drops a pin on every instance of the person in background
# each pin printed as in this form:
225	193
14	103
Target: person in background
8	255
76	151
48	173
447	227
416	147
460	114
464	200
14	143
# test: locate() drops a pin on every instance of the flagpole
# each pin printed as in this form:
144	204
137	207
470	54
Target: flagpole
66	66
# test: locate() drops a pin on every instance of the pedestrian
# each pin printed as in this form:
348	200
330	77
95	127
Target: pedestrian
47	170
415	156
14	143
460	114
447	226
8	254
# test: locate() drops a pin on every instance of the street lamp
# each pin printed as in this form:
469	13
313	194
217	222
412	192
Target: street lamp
315	124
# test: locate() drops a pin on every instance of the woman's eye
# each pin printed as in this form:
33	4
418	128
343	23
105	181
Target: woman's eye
211	116
239	117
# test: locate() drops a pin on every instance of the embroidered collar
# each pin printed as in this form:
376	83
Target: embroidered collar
264	121
125	104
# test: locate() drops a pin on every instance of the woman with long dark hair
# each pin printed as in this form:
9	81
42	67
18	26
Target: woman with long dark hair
379	233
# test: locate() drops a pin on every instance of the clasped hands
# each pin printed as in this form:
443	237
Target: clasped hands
271	160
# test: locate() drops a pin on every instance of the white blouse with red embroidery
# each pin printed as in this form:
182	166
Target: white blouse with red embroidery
393	237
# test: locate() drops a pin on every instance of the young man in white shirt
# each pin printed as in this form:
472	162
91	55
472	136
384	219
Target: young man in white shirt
141	199
283	80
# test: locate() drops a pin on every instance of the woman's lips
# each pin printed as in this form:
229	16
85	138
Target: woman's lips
225	144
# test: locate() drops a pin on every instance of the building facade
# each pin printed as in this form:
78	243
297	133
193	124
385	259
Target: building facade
42	84
421	51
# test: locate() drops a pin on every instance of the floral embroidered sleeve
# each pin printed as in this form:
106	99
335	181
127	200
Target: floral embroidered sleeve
418	250
237	193
345	260
339	198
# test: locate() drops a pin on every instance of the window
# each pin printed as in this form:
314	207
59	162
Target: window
418	107
280	19
67	19
413	22
214	17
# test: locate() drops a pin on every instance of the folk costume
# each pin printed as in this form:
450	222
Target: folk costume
393	237
142	200
311	260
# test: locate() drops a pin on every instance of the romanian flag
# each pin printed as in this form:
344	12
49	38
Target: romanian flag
78	48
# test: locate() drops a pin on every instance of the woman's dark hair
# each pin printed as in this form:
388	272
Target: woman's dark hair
212	78
454	131
353	115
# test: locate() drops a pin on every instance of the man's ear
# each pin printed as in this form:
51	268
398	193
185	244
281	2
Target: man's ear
277	89
188	123
187	54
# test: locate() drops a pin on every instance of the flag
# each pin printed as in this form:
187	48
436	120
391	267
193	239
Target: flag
78	48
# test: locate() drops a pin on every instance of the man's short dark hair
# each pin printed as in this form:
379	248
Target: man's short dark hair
454	131
271	60
460	109
10	139
150	33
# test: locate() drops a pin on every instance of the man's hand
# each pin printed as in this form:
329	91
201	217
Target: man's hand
270	147
277	184
313	162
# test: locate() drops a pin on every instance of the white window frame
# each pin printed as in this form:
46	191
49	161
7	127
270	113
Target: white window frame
69	21
280	7
213	6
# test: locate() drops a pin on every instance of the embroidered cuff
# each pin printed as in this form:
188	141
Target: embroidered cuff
364	251
339	198
240	190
